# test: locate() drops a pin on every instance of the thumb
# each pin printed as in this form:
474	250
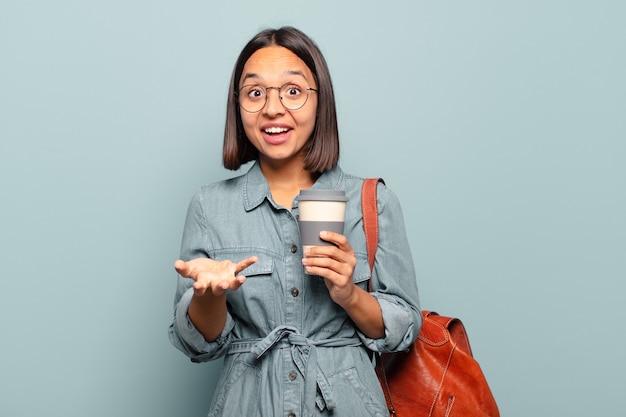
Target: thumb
181	267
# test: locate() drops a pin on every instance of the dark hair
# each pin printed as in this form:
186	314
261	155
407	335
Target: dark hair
322	148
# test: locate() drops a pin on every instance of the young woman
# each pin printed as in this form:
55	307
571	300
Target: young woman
295	327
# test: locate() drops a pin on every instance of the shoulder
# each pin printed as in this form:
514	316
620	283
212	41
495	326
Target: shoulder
385	196
219	189
225	185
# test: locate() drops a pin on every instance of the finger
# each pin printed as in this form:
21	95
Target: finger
237	282
243	264
199	288
331	252
330	275
337	239
202	286
329	265
233	284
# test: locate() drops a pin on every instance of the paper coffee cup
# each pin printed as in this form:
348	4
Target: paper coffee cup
320	210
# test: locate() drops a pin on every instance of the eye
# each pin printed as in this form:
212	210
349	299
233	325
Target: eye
254	92
292	90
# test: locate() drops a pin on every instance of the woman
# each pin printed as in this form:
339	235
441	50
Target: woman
294	328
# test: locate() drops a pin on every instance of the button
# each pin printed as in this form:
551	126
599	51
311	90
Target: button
294	249
292	375
295	292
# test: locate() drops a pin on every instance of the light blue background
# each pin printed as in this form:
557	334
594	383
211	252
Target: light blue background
499	124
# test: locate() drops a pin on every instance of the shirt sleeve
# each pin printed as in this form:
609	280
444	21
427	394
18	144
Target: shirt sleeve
182	333
393	279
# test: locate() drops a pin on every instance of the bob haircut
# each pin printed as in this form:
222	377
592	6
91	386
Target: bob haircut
322	148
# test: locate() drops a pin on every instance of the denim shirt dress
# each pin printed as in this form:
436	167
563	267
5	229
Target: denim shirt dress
288	349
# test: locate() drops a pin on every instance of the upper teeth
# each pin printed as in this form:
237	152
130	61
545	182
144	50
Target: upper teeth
276	129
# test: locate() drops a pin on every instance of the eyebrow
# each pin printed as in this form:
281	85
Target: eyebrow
290	72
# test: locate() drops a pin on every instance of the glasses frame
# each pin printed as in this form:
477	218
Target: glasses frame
266	90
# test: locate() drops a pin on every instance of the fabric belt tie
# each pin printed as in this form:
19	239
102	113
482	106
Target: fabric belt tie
303	355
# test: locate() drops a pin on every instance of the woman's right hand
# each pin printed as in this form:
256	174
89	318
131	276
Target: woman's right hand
214	276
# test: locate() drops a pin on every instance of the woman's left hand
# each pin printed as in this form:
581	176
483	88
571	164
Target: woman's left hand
334	263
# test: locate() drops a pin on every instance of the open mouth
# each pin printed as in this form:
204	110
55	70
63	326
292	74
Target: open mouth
276	130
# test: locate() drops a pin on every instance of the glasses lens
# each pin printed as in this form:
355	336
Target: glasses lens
293	96
252	98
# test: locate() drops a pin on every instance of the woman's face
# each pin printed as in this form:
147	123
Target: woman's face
279	134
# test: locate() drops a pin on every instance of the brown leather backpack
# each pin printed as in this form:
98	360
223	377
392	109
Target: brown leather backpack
438	376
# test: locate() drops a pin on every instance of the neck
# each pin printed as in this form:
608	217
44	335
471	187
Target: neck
286	181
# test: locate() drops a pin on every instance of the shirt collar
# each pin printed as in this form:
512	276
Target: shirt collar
256	189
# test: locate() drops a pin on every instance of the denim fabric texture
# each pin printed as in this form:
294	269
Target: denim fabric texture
288	349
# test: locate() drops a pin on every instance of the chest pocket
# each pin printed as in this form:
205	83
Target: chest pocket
254	305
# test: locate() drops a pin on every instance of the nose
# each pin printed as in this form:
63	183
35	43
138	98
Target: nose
273	104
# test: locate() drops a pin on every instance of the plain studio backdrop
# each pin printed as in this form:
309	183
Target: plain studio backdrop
500	125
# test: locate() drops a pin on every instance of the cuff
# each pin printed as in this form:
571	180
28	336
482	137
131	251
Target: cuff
186	337
400	326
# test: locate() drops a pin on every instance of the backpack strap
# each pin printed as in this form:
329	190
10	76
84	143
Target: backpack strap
369	206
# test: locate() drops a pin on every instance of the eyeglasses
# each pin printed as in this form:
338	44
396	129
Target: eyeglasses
252	98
